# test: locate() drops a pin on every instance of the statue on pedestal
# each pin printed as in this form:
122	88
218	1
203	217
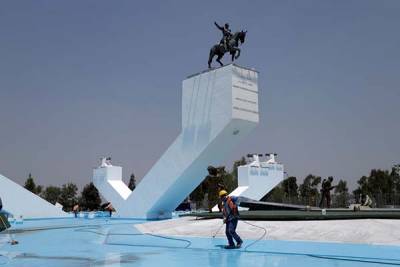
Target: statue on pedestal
229	43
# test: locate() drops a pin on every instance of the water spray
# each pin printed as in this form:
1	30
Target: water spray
219	229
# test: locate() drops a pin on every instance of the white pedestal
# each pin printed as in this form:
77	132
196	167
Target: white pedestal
108	180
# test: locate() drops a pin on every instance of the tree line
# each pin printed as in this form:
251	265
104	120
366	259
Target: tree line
68	196
382	186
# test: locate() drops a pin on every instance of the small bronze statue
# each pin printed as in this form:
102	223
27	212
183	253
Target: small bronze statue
229	43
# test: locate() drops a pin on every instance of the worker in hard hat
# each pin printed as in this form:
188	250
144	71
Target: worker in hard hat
231	217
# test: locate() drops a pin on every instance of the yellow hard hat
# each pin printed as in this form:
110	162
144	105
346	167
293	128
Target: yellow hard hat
222	193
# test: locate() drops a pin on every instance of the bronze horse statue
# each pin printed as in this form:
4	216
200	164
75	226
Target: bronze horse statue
233	48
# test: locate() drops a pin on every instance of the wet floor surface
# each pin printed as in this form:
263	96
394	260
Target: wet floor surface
101	242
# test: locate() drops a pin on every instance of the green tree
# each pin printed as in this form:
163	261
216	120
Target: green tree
30	184
362	188
396	169
395	174
197	196
275	195
51	194
234	172
285	192
341	194
132	182
290	189
68	196
210	185
90	198
39	189
229	181
211	182
380	185
308	190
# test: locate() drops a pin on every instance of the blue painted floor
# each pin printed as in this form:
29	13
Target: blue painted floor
104	242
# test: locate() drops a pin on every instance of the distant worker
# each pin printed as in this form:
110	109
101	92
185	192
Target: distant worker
326	192
109	208
75	209
366	201
4	224
323	184
329	188
226	35
231	219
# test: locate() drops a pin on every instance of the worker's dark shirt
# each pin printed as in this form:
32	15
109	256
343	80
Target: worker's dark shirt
328	186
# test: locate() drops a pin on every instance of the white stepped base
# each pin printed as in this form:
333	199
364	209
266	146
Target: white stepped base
20	202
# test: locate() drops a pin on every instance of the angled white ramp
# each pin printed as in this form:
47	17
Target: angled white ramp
219	108
257	178
20	202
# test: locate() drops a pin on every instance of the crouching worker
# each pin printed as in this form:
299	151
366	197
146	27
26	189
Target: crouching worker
5	225
231	218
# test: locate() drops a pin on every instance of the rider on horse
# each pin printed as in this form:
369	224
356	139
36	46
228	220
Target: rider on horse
229	44
226	34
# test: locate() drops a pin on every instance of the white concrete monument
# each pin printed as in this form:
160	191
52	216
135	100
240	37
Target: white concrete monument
20	202
258	178
219	108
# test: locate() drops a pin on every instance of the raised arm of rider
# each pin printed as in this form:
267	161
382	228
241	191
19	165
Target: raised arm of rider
219	27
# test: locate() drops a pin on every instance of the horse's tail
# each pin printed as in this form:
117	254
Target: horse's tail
210	56
212	51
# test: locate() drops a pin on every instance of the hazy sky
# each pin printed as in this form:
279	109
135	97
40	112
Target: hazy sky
82	79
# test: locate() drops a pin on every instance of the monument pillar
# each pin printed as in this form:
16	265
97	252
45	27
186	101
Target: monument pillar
219	108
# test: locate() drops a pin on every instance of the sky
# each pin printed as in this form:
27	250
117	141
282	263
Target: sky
83	79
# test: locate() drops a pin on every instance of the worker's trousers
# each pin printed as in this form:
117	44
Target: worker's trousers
230	232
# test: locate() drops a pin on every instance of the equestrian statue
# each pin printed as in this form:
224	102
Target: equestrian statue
229	43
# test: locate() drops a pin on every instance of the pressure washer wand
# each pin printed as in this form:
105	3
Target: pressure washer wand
218	230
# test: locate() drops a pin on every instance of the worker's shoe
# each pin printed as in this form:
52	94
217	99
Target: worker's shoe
230	247
239	244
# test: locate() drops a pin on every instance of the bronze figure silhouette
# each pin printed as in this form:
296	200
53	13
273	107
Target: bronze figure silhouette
229	43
